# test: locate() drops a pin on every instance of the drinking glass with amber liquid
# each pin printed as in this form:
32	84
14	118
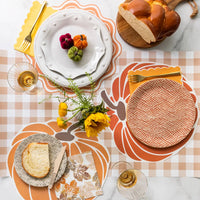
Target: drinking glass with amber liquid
23	77
131	183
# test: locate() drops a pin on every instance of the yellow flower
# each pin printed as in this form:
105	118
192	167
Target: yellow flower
61	123
95	123
62	110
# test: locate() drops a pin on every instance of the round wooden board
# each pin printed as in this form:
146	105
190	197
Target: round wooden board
129	35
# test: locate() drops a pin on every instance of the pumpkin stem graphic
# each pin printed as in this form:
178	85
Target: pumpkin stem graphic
66	135
120	108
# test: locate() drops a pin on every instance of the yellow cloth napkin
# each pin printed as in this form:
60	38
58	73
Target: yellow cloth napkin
28	23
155	71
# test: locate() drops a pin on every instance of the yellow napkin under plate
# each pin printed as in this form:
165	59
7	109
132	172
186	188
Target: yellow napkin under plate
153	71
28	23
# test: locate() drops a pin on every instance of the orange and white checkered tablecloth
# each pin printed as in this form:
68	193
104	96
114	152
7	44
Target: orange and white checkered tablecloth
17	110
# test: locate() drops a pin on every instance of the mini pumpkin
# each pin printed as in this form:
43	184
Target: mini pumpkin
75	54
66	41
80	41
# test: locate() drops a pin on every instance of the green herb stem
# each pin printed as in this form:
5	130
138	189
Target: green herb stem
79	108
72	116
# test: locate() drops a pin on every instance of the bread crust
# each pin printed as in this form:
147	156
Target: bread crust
153	20
25	152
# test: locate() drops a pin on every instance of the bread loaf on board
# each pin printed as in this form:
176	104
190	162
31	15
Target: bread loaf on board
35	159
153	20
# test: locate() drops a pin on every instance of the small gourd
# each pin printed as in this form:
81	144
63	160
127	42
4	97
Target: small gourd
66	41
80	41
75	54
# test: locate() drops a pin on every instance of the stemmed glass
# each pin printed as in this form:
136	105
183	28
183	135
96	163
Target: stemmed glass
23	77
131	183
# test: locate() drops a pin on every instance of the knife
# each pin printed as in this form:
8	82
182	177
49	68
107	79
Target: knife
56	166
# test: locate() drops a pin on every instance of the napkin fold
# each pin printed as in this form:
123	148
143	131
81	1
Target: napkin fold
80	180
28	23
155	71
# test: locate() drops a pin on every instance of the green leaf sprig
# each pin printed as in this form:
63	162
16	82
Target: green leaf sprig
83	104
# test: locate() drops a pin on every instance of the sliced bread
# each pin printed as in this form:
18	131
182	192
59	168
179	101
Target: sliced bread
35	159
151	19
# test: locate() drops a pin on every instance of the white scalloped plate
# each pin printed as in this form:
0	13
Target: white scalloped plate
54	61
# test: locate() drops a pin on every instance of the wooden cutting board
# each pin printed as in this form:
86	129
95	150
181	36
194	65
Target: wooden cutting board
129	35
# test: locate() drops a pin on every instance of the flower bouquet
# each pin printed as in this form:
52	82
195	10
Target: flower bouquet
91	118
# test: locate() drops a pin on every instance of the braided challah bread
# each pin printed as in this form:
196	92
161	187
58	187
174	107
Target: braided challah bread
153	20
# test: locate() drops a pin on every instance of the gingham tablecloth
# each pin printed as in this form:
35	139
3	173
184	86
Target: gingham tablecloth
17	110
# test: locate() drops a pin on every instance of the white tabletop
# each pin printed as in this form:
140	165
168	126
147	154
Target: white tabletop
186	38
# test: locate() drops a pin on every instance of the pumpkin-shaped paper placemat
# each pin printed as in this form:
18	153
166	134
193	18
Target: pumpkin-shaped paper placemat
117	101
76	142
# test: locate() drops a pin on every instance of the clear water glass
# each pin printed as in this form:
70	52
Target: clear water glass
23	77
131	183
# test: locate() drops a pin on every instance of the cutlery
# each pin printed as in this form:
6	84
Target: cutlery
138	78
28	39
56	166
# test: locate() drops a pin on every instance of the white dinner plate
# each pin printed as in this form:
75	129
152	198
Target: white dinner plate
54	61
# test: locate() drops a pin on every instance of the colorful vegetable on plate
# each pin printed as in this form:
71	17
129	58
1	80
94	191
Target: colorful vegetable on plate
80	41
66	41
75	54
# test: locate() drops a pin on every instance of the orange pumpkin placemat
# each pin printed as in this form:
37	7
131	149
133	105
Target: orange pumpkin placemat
76	142
124	139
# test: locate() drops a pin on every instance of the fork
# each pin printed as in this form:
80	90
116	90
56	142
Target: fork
138	78
28	39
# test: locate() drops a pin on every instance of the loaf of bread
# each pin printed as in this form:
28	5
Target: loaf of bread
153	20
35	159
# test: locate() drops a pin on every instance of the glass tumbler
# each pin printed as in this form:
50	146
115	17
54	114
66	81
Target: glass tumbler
131	183
22	77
